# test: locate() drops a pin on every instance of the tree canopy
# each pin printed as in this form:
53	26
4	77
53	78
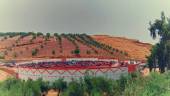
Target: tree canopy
160	53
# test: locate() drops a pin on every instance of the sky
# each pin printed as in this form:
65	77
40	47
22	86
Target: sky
125	18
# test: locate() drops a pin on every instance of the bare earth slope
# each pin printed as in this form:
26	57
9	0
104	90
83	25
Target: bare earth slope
65	45
135	49
28	48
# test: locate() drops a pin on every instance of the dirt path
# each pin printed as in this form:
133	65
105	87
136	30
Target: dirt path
4	75
52	93
6	72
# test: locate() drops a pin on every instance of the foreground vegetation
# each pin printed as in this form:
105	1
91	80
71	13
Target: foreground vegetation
132	85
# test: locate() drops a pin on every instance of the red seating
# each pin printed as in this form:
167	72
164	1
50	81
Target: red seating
70	65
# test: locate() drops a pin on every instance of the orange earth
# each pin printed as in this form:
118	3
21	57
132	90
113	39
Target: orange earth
21	49
136	49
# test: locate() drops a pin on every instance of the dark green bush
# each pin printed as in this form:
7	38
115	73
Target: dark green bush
53	52
34	52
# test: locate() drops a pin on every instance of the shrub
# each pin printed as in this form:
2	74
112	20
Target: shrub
74	89
88	52
21	52
39	34
34	37
125	53
41	46
47	36
15	55
95	51
53	52
2	57
59	85
34	52
5	37
31	40
10	48
56	34
77	51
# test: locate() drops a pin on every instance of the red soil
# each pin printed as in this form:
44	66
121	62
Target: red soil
23	49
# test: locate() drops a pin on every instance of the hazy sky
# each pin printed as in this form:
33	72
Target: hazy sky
128	18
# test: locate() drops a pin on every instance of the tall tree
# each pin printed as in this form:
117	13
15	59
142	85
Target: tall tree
47	37
161	28
152	59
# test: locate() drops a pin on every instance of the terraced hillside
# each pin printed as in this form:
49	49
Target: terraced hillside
25	46
134	48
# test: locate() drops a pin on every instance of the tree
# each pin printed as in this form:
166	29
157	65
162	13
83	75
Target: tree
152	59
161	28
98	85
21	52
23	34
34	37
167	57
2	56
77	51
59	85
74	89
15	55
47	36
53	52
31	33
5	37
41	46
88	52
88	85
34	52
56	34
44	86
39	34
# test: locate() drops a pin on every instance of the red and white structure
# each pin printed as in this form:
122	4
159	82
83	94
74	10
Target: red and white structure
71	68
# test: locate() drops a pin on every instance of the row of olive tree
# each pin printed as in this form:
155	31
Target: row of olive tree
78	38
76	51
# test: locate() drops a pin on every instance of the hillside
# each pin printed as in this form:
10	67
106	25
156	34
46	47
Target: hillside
27	46
135	49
